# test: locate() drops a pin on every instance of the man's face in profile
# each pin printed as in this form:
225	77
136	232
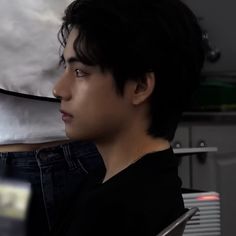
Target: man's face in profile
90	105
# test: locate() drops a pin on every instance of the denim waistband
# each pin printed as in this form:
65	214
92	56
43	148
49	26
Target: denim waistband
76	154
41	157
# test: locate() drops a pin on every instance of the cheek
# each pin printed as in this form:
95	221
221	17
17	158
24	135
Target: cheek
95	101
97	111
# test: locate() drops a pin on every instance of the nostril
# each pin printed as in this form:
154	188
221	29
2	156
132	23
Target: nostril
58	98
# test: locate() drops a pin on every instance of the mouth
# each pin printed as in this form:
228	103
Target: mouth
66	117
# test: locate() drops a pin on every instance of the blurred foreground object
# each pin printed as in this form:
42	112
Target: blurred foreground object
14	201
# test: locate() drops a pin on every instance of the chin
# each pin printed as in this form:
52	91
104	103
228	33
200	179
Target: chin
71	135
75	136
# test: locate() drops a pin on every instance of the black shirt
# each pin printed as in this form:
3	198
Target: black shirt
140	200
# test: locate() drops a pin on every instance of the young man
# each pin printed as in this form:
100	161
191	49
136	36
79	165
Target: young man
130	67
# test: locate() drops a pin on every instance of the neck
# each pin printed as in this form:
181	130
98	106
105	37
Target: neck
126	149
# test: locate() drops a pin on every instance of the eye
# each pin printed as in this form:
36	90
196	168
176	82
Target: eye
79	73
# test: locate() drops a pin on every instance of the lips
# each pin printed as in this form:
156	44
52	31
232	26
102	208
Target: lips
66	117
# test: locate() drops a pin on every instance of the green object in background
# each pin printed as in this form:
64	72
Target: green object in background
215	95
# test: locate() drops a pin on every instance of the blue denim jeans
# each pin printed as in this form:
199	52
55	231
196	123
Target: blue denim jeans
55	175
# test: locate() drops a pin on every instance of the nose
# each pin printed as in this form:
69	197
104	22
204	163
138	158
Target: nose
61	89
55	94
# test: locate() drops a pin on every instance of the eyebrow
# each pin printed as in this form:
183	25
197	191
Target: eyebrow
70	60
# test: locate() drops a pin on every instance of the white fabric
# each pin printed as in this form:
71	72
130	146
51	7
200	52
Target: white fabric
29	121
28	65
29	46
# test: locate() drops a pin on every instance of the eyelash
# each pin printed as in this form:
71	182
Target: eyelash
63	64
82	73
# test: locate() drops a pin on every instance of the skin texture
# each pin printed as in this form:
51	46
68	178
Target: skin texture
93	110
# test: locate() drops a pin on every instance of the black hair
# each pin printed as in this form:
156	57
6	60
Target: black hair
130	38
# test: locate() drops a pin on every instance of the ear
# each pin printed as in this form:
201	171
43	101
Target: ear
143	88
